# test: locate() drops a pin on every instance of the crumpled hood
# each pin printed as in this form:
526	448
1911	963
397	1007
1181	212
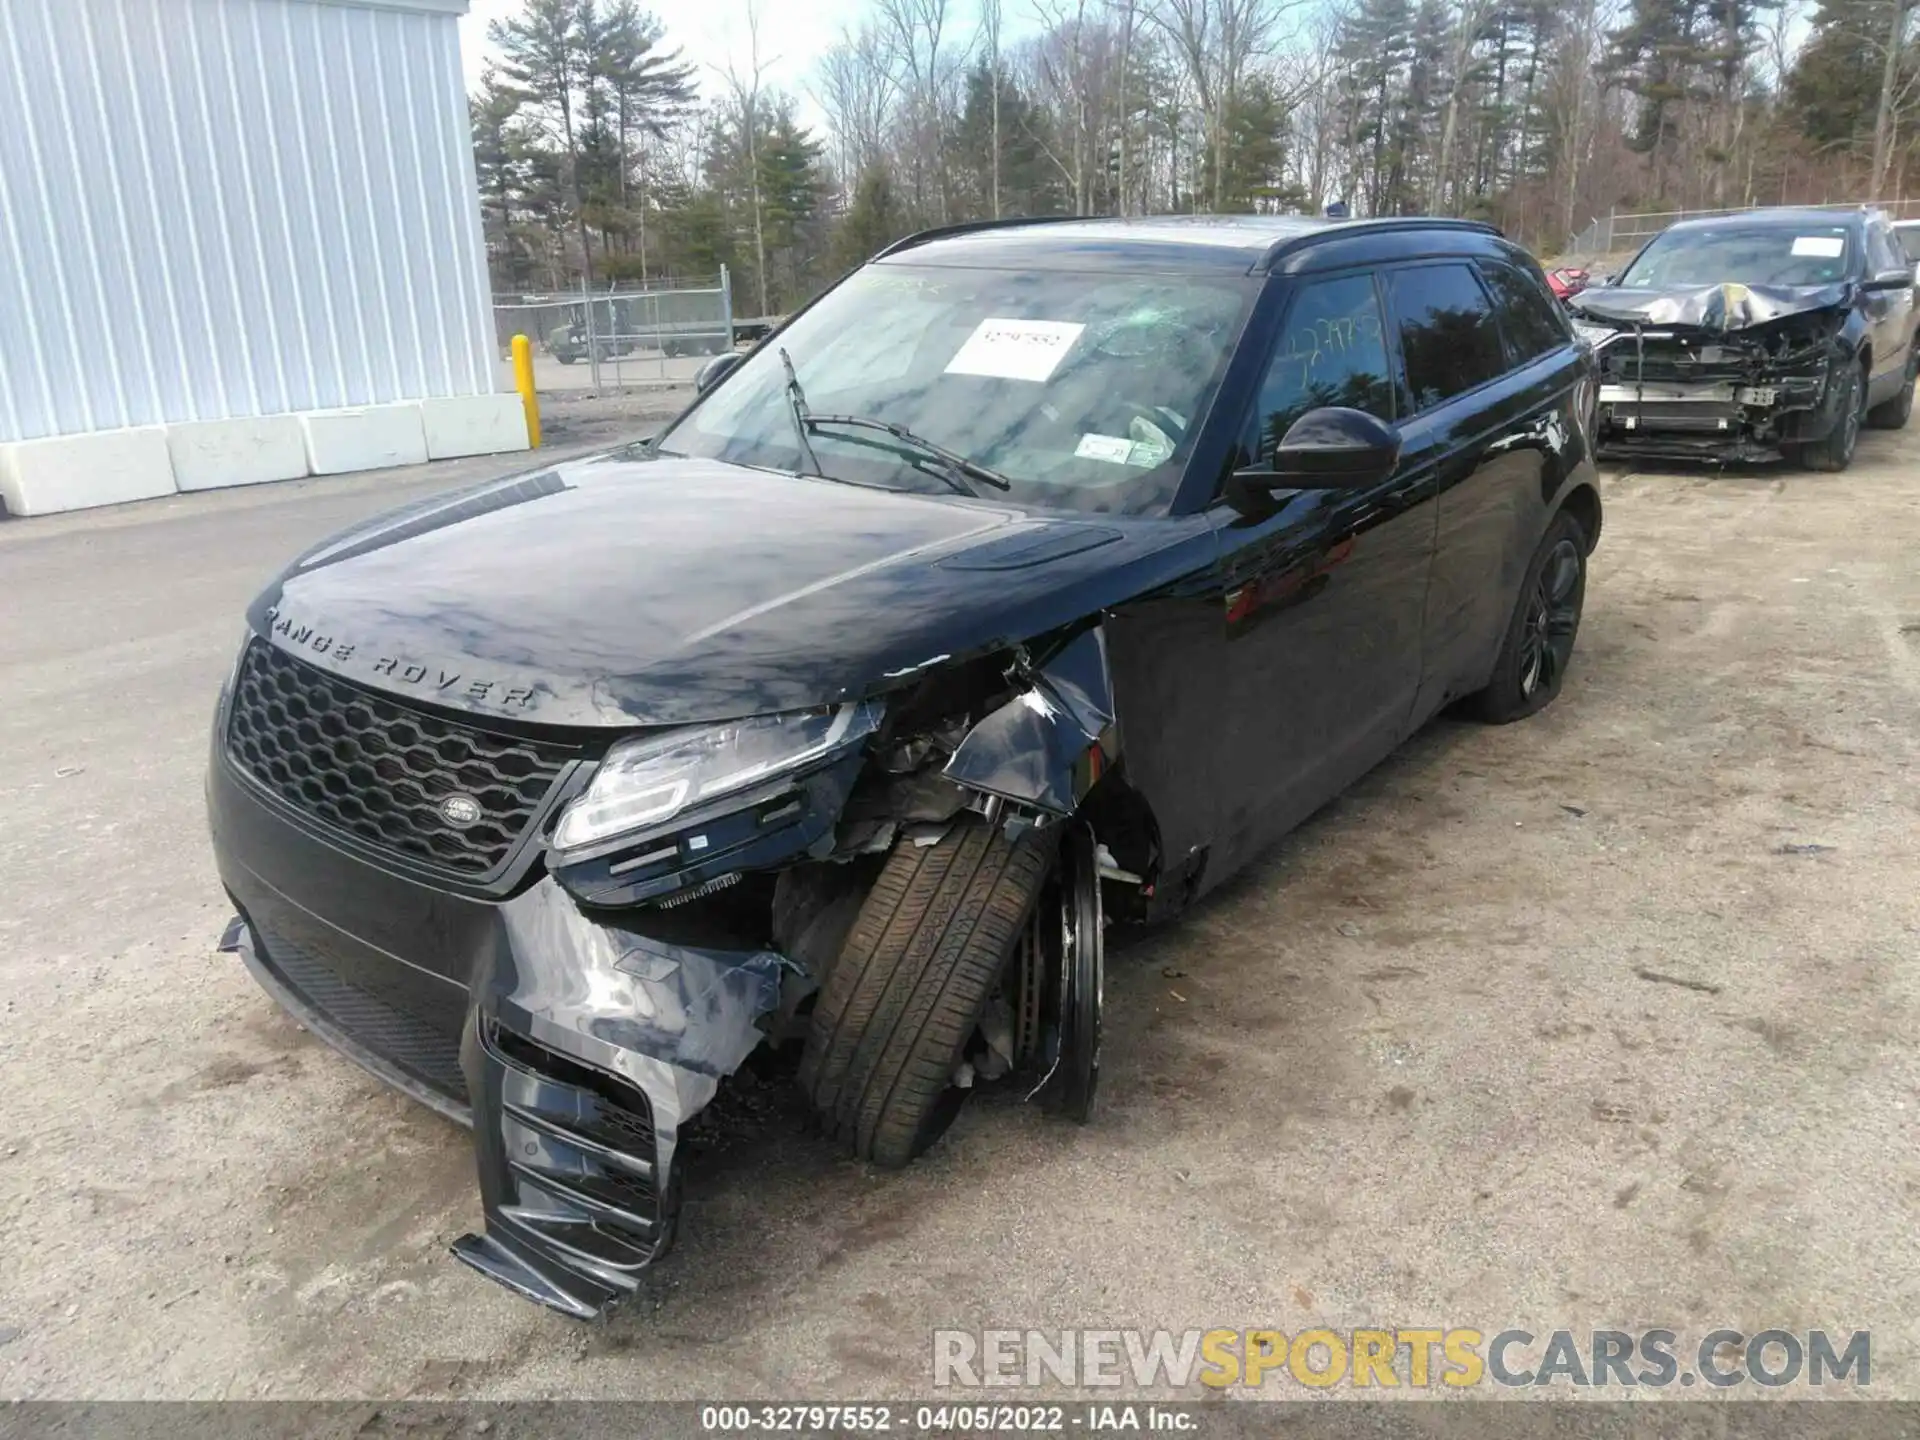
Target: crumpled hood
1719	308
629	590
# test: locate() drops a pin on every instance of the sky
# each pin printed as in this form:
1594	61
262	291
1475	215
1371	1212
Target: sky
712	34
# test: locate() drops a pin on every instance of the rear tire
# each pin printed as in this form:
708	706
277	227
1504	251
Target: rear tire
900	1005
1834	452
1893	413
1539	642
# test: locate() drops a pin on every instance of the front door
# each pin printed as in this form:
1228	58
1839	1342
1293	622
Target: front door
1323	600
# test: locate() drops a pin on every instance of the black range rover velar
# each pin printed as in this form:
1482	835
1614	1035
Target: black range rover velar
1035	576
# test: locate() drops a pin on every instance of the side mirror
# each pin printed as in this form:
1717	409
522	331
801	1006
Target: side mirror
716	370
1900	278
1328	449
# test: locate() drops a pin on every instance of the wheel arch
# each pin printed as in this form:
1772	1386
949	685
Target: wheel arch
1582	501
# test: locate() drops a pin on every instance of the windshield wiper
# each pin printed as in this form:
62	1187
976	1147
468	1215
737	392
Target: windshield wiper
957	468
802	417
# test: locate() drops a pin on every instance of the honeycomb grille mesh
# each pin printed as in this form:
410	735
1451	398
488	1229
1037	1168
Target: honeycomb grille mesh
380	770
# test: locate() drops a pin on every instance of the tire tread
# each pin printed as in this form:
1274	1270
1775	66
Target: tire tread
918	967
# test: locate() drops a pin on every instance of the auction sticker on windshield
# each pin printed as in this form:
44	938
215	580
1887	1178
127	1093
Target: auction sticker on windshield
1827	247
1117	449
1015	349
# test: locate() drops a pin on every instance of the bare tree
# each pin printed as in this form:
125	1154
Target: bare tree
918	32
1884	118
746	97
859	93
1217	40
990	27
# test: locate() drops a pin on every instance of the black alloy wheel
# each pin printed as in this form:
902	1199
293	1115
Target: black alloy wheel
1835	452
1552	617
1538	646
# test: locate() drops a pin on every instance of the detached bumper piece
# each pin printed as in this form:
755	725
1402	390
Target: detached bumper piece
570	1174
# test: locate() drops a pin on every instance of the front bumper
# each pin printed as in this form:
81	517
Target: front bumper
575	1050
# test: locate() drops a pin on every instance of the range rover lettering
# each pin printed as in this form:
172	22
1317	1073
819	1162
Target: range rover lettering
1036	576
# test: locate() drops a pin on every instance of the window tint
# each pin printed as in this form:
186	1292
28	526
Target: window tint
1446	332
1332	352
1529	314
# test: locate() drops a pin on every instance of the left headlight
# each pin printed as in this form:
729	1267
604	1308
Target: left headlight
646	782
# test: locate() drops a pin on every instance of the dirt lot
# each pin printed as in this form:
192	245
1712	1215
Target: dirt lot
1563	1024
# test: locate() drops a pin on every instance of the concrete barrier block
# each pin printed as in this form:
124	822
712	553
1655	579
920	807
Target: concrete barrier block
474	425
372	437
75	472
208	454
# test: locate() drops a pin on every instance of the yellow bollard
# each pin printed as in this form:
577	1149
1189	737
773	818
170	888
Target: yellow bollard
523	381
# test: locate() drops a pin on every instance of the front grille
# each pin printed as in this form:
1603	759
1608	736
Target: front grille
380	770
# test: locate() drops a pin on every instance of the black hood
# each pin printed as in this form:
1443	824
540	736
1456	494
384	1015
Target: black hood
627	590
1718	308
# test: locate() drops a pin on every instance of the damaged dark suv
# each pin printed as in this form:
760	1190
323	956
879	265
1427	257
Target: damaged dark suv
1749	337
1037	574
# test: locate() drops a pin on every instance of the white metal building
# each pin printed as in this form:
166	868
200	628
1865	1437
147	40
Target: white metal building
239	240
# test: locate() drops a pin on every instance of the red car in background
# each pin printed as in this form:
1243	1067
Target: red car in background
1567	282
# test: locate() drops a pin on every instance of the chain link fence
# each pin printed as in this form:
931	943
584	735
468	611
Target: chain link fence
619	336
1620	232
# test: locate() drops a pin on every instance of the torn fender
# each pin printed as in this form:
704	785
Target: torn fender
1718	308
1048	745
588	1047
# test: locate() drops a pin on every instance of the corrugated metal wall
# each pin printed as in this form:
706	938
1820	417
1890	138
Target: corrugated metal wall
214	208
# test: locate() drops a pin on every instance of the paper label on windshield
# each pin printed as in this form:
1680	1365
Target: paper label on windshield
1117	449
1827	247
1015	349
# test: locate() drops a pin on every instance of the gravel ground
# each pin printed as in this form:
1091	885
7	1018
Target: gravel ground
1565	1024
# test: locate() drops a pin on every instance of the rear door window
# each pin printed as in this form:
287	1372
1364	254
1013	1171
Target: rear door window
1530	317
1447	332
1332	351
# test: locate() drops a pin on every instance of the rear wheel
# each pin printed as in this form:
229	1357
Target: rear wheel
1893	414
1835	451
900	1005
1539	641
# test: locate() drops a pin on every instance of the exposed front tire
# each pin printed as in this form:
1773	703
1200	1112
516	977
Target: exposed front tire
900	1005
1835	452
1893	413
1539	641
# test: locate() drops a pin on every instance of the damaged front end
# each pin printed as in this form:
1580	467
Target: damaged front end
1722	373
678	904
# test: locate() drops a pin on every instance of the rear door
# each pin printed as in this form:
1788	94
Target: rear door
1889	314
1490	407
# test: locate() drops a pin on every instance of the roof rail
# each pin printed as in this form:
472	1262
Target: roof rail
967	227
1350	227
